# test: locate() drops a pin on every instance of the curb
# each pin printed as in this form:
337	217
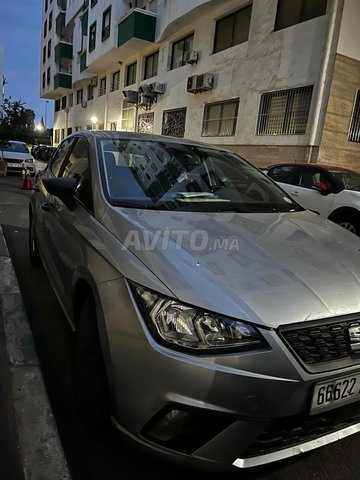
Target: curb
40	447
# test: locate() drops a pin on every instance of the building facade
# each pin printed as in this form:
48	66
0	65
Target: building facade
2	80
272	80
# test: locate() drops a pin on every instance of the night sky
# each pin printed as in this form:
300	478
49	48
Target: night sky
20	34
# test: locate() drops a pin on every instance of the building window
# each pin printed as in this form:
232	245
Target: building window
90	92
49	49
354	133
70	100
285	112
113	126
146	123
79	96
151	65
45	28
127	119
93	3
220	119
50	21
44	55
63	103
48	76
115	82
102	88
232	29
46	5
77	129
297	11
43	80
180	50
57	136
88	127
105	31
174	122
92	37
130	76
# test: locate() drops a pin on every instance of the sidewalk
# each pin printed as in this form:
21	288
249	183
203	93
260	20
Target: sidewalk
30	448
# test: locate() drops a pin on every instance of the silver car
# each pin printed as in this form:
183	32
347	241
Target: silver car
216	319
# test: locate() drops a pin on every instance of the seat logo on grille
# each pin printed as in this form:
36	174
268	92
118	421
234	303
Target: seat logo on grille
354	333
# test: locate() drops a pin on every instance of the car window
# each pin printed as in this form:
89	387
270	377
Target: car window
60	155
310	176
169	175
77	166
285	174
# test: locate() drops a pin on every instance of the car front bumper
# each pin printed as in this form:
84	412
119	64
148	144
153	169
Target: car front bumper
242	409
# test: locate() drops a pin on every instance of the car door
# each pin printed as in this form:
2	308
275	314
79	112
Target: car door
69	231
310	198
43	207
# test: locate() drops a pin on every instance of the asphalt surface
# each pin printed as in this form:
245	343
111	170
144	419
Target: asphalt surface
106	455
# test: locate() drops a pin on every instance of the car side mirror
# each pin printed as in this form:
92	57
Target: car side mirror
322	188
63	188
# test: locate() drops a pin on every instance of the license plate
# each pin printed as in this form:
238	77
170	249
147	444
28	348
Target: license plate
17	165
335	393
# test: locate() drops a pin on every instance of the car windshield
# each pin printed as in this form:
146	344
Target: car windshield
14	147
172	176
350	180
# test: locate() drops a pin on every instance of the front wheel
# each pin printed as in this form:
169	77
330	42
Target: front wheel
351	223
91	391
33	246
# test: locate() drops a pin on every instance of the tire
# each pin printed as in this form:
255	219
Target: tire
91	391
351	223
33	246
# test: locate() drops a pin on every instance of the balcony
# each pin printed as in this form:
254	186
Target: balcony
60	23
137	28
83	65
63	81
63	51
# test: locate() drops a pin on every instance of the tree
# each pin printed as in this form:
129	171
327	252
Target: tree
17	122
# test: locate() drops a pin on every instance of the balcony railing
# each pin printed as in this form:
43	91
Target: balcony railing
63	50
62	80
138	24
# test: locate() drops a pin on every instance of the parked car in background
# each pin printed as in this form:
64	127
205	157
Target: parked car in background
215	318
17	156
42	152
332	192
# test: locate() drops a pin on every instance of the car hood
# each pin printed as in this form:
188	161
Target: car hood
269	269
8	155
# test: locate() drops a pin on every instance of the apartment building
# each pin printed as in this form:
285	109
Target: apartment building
272	80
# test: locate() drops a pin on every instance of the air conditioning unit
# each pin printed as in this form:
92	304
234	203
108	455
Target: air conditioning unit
144	100
132	96
146	91
204	82
158	88
191	57
94	81
191	84
84	104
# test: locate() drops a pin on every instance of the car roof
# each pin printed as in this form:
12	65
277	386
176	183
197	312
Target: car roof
111	135
311	165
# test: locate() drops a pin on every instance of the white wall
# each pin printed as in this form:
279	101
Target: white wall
349	40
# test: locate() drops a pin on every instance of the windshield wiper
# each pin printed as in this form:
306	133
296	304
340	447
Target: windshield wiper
121	203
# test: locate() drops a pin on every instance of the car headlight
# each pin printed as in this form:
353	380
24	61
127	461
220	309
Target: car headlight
191	328
29	160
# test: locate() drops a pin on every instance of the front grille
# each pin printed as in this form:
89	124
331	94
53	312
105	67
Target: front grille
288	432
13	160
324	343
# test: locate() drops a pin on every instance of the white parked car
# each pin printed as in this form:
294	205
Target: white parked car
17	156
332	192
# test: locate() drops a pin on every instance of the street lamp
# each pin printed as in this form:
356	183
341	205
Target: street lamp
39	127
93	121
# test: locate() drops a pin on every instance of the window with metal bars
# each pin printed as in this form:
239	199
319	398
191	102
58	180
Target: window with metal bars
284	112
354	132
220	119
146	123
174	122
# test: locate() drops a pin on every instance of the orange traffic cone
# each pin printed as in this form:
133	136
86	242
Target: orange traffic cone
27	183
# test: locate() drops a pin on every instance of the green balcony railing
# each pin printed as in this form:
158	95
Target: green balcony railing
60	22
83	65
137	24
84	23
63	50
63	80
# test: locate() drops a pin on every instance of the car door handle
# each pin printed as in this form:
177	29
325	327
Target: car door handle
296	193
45	206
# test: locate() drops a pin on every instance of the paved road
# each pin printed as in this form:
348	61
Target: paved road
105	455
